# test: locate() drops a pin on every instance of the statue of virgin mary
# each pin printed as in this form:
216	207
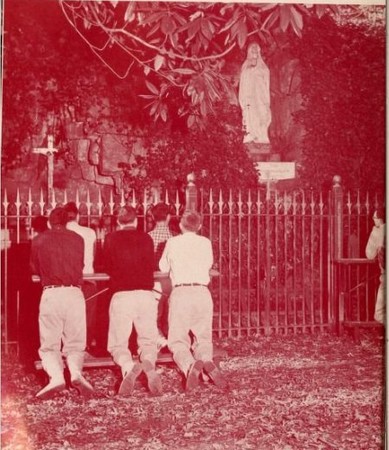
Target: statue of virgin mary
254	96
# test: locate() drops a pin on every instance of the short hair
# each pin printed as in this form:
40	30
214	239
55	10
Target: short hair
160	212
71	209
191	220
58	216
379	213
126	215
39	224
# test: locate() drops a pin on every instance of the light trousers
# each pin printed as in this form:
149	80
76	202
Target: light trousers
128	309
62	323
190	309
380	307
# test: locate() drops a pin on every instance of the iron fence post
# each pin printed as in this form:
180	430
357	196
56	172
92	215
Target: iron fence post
336	248
191	193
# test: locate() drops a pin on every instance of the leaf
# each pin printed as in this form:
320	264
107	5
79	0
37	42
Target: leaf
173	39
320	10
146	70
87	24
206	29
167	25
196	15
190	121
148	96
284	17
152	88
158	61
128	15
155	17
153	108
242	34
228	25
296	22
164	114
297	18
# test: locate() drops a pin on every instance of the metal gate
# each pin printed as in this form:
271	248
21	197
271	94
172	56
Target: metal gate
277	253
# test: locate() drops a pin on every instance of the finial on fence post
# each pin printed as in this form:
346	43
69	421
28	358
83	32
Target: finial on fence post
191	193
337	180
337	192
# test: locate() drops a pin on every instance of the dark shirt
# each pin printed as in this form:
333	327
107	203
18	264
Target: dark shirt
129	260
57	256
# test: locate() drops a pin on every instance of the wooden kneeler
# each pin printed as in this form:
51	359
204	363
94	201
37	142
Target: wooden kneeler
106	361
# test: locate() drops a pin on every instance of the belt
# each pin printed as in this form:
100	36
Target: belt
190	284
60	286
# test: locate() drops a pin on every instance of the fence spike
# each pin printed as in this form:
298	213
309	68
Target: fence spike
18	203
41	203
65	197
123	200
211	202
294	203
303	203
5	203
166	197
249	202
312	203
220	202
99	203
177	204
111	203
321	203
349	203
367	204
88	202
259	201
77	199
29	202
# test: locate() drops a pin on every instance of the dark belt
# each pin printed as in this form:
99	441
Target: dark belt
60	286
190	284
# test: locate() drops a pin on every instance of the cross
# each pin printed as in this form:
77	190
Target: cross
49	152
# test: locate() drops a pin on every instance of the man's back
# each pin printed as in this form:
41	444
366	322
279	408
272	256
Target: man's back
188	257
129	258
58	257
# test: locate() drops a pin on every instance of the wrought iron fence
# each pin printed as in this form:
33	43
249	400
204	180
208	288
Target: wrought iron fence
275	251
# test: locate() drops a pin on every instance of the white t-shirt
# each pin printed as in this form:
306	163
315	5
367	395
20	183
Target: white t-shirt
89	237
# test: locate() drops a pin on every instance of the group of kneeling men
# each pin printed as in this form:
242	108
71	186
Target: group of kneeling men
57	256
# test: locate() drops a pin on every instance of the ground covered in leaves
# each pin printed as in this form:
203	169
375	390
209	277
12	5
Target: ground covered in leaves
286	392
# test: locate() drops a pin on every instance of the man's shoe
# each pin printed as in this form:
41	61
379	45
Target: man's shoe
83	386
215	374
192	380
127	385
153	379
50	390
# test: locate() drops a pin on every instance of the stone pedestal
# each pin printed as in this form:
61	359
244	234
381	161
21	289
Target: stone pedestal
262	152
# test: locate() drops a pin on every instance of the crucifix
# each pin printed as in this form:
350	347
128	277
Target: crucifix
49	153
